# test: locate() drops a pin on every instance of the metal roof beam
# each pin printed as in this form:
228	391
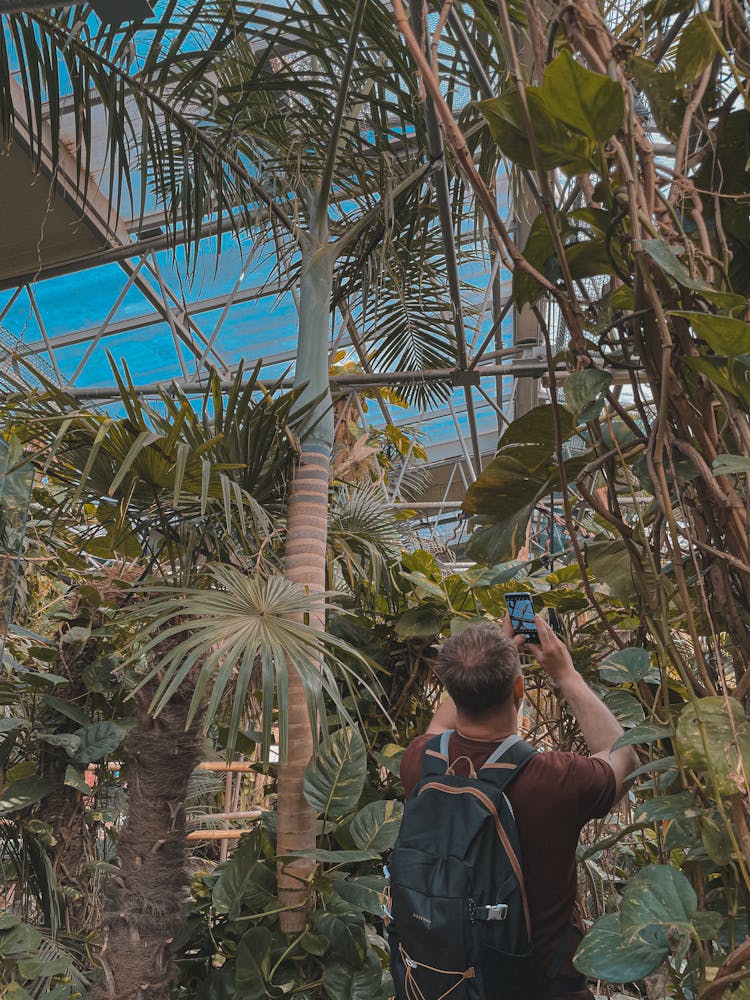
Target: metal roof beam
359	379
152	319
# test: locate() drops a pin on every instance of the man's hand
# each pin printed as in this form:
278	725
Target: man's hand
551	653
517	640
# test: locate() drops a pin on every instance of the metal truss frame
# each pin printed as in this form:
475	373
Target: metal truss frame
482	361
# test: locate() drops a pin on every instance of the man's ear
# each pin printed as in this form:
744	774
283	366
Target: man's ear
518	688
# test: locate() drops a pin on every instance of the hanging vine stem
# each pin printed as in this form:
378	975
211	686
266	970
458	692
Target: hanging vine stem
575	322
564	486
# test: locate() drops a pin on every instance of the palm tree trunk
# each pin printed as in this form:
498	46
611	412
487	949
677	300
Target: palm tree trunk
307	533
146	898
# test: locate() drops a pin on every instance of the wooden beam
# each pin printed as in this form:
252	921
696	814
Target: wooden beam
227	816
221	765
216	834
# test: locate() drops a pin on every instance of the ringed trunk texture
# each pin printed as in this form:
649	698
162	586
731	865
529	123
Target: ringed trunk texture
305	554
305	563
146	899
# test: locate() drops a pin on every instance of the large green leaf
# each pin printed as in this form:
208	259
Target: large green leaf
647	732
253	963
696	48
244	883
537	426
390	758
584	392
335	776
423	622
67	741
725	465
341	982
681	805
712	733
365	892
9	724
36	968
609	562
668	261
605	954
524	470
220	984
66	708
626	709
344	927
588	102
97	741
24	792
19	939
665	97
502	539
540	252
376	826
625	665
657	902
558	146
725	336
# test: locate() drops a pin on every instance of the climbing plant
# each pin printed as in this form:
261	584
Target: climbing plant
627	127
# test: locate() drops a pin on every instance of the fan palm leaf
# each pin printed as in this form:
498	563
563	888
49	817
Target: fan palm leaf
245	631
364	538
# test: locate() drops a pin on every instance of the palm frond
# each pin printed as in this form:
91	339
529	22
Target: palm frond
364	537
190	485
241	635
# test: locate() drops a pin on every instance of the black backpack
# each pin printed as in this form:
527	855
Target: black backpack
458	920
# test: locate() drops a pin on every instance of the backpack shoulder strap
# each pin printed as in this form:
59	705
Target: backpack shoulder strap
506	762
435	756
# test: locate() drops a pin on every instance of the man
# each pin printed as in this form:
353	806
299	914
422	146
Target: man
554	795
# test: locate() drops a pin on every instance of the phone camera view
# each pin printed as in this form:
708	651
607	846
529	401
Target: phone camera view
521	612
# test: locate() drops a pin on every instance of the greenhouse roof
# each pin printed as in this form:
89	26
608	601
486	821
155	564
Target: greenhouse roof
83	287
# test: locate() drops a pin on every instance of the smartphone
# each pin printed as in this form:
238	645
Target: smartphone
521	612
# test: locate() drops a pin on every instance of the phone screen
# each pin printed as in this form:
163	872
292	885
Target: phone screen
521	612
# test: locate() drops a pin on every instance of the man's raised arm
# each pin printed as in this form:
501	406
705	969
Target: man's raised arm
600	729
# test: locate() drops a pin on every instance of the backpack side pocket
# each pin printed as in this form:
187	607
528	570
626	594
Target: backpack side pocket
433	945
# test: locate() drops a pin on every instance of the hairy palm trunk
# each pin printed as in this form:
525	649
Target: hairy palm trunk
146	898
307	526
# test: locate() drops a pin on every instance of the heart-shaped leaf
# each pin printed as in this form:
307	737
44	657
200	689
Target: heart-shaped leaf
363	891
335	776
341	982
605	954
375	827
708	733
588	102
245	882
626	665
658	902
253	963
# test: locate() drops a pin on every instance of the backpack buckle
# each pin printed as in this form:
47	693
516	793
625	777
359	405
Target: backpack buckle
497	912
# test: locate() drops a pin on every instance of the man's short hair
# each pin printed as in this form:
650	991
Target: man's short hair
478	666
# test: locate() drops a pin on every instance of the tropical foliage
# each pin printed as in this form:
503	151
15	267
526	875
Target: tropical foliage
625	130
631	126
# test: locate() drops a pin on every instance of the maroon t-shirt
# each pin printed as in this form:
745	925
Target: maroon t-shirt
553	797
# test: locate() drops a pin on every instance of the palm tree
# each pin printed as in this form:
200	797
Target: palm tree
305	122
176	489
